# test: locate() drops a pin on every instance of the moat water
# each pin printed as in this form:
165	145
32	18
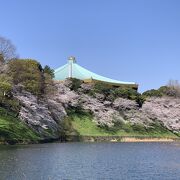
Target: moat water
56	161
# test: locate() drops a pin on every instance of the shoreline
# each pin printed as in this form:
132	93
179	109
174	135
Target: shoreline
147	140
72	138
119	139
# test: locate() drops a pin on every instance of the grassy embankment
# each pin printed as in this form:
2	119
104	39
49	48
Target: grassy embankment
82	125
13	130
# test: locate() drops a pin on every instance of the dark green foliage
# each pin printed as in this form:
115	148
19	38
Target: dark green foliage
31	75
10	104
77	110
140	99
103	88
153	93
49	87
48	75
28	73
111	93
163	91
48	70
67	128
139	128
75	84
127	93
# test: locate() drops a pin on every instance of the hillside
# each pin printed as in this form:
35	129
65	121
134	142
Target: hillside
69	112
35	108
12	130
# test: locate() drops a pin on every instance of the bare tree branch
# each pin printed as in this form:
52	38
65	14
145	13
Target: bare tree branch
7	49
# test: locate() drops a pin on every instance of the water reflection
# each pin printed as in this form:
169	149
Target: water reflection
91	161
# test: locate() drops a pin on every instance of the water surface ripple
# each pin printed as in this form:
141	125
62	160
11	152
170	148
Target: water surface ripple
136	161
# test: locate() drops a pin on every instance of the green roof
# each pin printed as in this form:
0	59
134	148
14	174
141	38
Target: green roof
73	70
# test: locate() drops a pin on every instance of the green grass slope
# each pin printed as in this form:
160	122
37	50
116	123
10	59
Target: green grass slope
12	130
83	125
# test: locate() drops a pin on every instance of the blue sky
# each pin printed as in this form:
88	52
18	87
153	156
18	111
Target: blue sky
128	40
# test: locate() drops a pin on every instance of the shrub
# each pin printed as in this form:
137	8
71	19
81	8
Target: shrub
102	88
127	93
28	73
10	104
5	85
153	93
49	71
75	84
140	99
169	90
49	87
111	93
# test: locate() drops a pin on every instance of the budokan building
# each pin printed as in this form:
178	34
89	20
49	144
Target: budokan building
73	70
